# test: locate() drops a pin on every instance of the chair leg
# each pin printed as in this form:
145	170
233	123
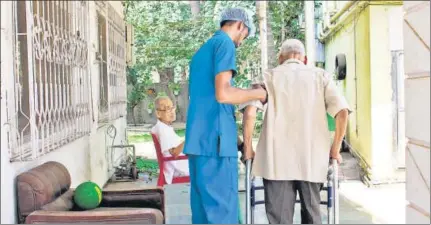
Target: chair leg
160	181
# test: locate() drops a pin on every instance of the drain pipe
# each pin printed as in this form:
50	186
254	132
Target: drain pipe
360	4
328	21
342	11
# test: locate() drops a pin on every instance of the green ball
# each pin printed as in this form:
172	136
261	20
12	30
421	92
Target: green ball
88	195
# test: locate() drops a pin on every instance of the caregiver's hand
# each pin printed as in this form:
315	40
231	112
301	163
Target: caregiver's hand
264	95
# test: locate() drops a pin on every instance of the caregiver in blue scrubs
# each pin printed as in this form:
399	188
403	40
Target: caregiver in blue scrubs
211	133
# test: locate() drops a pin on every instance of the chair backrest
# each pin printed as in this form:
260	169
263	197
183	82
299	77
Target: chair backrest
161	180
158	149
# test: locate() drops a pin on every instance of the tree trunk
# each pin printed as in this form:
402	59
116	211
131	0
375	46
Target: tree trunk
262	15
195	7
167	76
133	116
271	54
283	26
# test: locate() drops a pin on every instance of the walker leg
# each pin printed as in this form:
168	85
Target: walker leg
335	186
248	209
330	205
253	200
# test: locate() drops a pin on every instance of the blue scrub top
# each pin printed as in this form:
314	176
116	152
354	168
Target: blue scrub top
211	127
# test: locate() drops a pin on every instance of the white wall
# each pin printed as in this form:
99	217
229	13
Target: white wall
396	45
385	36
417	106
367	40
85	158
118	6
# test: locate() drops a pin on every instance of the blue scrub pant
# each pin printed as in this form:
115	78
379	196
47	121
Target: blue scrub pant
214	189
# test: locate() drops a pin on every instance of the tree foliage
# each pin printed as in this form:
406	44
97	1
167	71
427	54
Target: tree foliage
167	34
284	20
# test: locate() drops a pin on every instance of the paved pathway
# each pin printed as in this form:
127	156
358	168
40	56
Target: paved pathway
358	203
178	209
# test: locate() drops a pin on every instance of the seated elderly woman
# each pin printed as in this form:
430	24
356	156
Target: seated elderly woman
170	143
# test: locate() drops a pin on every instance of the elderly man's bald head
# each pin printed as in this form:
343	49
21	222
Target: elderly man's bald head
292	48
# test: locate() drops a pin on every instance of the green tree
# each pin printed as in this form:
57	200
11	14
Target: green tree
284	20
138	79
168	33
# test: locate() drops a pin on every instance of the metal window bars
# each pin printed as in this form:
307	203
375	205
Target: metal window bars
117	64
50	103
112	59
48	92
332	202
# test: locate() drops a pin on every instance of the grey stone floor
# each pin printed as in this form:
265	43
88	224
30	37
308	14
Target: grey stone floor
178	199
178	209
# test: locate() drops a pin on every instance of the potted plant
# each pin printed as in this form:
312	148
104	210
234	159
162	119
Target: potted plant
150	108
175	87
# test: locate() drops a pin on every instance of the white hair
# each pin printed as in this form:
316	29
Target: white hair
292	46
159	99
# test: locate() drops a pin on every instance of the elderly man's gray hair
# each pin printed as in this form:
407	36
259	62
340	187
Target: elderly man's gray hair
292	46
159	99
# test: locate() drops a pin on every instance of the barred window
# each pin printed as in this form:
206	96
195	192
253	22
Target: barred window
112	59
102	56
50	103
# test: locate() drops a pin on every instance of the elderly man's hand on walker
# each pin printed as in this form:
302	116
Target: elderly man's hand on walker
335	154
248	153
340	129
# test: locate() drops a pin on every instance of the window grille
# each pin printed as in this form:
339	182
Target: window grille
112	59
117	64
102	55
50	106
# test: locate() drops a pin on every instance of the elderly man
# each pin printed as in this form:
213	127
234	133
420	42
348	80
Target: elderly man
170	143
294	147
211	133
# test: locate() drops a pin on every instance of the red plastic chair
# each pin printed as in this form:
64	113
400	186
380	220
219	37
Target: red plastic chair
162	159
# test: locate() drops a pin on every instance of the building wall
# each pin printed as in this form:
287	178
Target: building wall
87	158
417	105
382	114
355	88
118	6
363	36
